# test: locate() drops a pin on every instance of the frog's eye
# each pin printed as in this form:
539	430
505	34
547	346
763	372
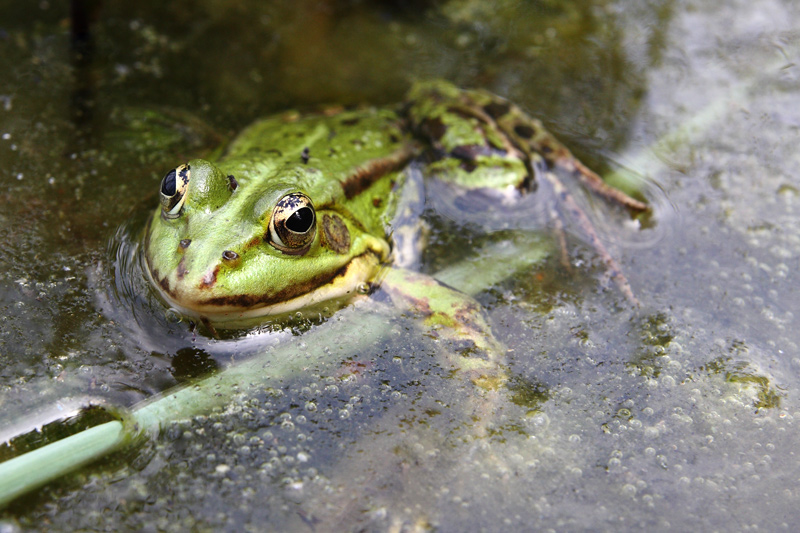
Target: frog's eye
292	227
173	191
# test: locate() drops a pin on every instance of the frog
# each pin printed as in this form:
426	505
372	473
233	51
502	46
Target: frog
308	210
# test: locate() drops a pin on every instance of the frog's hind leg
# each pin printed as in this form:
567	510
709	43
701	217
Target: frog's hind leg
530	137
467	345
596	183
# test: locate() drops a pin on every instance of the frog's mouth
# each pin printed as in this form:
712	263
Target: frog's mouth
338	288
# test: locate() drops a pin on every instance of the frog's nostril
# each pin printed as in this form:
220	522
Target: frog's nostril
230	258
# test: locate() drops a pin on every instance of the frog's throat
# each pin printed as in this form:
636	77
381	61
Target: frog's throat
347	284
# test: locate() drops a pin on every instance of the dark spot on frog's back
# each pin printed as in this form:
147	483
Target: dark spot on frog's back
433	128
350	121
336	234
468	166
524	131
305	155
470	152
497	109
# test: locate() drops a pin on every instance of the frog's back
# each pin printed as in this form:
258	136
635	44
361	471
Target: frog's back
332	140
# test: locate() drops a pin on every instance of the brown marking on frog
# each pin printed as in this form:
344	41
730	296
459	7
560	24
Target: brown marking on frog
432	128
470	152
368	173
465	314
255	241
335	233
181	270
497	109
210	279
467	166
525	131
244	301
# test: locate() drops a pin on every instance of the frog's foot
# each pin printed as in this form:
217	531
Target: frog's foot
458	323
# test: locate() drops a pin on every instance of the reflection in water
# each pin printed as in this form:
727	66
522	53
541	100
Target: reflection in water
83	15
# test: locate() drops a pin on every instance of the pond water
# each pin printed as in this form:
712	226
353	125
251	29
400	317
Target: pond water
680	414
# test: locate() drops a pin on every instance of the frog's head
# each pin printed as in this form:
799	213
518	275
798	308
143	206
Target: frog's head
272	242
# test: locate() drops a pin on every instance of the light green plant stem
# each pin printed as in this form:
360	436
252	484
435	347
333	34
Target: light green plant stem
35	468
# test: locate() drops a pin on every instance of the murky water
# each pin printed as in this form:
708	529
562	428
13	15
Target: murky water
680	415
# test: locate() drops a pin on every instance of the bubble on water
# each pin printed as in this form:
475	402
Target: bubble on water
172	315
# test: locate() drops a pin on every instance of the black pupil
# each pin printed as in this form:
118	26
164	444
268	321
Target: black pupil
301	220
168	184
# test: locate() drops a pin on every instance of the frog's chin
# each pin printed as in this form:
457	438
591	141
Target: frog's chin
354	280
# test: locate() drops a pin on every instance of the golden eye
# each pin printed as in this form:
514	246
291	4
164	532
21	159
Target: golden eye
293	224
173	191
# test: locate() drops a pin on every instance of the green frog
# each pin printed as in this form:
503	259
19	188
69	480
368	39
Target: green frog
308	210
